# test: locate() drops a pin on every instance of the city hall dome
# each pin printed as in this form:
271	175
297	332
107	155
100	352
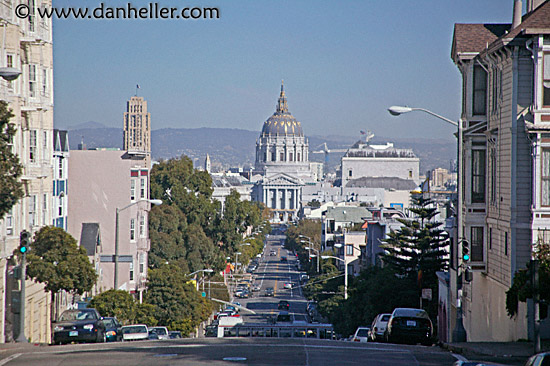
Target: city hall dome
282	123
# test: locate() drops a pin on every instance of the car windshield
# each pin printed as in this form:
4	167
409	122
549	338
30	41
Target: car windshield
159	331
385	318
362	333
134	329
72	315
109	323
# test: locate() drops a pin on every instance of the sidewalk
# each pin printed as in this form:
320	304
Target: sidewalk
518	352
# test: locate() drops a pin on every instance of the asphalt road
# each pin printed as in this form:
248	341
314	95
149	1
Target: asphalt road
230	351
272	272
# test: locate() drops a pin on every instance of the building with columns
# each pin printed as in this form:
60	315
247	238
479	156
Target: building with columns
282	158
137	126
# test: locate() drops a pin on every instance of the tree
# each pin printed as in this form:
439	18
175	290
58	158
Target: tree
11	189
57	261
416	251
522	287
177	303
117	303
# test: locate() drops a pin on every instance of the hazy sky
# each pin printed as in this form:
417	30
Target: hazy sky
343	63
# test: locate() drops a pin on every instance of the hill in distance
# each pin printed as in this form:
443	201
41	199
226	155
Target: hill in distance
229	147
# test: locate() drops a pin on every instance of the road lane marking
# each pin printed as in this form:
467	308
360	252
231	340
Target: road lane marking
10	358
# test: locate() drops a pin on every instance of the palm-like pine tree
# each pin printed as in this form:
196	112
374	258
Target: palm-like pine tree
417	250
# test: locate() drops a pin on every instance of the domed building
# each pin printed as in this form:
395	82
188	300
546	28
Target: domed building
282	158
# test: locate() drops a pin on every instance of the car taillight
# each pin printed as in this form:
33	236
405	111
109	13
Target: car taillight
356	340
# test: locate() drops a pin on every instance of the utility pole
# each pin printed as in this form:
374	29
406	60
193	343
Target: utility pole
534	267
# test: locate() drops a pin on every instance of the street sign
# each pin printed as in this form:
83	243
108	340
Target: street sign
427	293
203	294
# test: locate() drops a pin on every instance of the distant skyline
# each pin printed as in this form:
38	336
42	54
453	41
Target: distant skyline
343	64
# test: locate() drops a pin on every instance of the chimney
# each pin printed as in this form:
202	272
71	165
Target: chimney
516	20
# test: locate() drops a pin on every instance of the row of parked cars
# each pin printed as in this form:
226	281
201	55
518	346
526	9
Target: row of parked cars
86	325
403	325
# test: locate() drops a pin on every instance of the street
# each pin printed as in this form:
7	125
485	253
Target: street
249	351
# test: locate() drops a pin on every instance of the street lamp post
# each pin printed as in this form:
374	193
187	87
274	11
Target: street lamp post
345	273
118	210
208	270
459	333
317	255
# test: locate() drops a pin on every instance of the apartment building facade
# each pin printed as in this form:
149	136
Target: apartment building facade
506	203
26	67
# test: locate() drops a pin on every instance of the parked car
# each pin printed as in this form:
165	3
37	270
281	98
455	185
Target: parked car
162	332
79	325
113	329
175	334
540	359
410	326
243	294
211	331
257	287
378	327
136	332
270	292
283	305
287	285
272	253
361	335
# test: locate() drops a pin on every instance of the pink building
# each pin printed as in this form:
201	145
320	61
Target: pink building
100	183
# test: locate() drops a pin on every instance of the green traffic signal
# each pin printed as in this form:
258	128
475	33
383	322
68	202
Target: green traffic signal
465	250
24	241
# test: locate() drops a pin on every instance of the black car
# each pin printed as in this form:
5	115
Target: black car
113	329
409	326
175	334
283	305
283	259
270	292
79	325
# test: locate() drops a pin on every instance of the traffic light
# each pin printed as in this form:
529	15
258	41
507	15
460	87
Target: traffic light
465	250
24	241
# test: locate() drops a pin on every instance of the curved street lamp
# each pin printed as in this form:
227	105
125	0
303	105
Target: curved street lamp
459	333
345	272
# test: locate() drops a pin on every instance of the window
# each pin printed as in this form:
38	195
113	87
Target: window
282	155
410	174
142	188
44	209
298	157
132	229
493	162
476	241
291	156
32	210
9	223
546	81
142	226
478	176
273	156
350	173
480	91
32	80
506	243
132	270
31	16
60	208
349	249
60	168
545	178
132	189
490	238
32	146
45	145
9	61
44	82
141	262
